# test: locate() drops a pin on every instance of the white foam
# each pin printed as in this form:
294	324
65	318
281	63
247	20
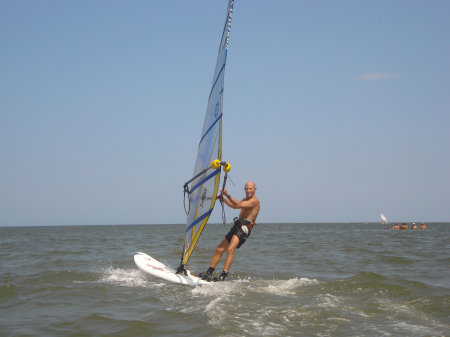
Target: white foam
222	300
400	308
338	319
211	306
415	328
263	328
329	301
286	287
217	288
225	305
124	277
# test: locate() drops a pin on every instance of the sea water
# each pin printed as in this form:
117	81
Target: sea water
286	280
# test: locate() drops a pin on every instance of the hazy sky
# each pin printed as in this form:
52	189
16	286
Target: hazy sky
338	110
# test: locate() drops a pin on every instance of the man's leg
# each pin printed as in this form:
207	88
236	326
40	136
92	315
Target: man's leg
221	248
230	252
229	259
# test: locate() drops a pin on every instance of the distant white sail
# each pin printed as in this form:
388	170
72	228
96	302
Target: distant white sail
383	219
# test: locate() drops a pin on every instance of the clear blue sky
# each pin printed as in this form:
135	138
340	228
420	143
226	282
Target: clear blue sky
338	110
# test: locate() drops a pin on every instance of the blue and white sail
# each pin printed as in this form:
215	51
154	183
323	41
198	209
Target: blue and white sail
203	188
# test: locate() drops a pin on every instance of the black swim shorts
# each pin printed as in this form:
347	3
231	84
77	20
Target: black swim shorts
238	230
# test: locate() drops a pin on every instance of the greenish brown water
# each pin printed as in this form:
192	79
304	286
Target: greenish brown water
287	280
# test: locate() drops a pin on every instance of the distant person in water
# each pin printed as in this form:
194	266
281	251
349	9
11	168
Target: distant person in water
404	226
396	226
237	235
414	226
423	226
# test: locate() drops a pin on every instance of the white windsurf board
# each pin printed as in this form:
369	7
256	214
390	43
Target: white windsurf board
153	267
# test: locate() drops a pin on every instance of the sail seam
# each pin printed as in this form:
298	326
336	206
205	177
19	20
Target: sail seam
217	78
212	125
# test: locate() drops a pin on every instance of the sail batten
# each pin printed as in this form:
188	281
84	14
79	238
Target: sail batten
204	180
204	187
200	218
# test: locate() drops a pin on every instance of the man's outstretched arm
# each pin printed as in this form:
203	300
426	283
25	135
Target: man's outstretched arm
236	204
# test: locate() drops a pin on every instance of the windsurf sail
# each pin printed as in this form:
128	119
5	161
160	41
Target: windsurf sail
202	188
383	219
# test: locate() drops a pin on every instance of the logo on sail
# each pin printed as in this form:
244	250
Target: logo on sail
216	112
203	197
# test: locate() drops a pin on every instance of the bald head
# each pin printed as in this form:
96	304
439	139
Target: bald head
250	189
250	184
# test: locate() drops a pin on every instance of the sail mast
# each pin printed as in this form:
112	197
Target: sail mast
203	188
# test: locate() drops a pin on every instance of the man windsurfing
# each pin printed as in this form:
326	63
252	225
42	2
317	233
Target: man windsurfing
240	231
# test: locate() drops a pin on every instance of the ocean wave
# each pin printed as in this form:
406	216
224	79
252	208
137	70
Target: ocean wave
285	287
369	281
215	289
124	277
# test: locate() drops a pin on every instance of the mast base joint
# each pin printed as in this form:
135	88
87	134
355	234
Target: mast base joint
181	269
